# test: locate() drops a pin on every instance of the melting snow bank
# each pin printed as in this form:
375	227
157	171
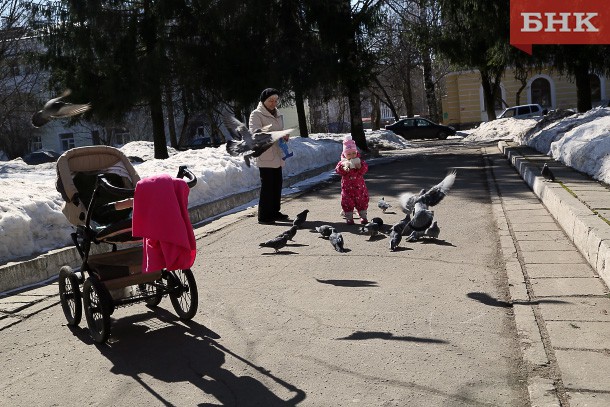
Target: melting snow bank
31	220
578	140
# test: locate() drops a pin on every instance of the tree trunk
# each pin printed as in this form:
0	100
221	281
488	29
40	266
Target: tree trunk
156	115
171	119
386	98
491	87
583	86
521	74
407	94
153	83
355	113
518	95
429	87
300	105
375	112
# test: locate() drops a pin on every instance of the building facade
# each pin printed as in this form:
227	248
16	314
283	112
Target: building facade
464	106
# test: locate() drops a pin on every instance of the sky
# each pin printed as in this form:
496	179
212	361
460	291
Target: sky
31	221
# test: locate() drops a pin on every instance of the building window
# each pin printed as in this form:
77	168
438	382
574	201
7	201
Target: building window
121	138
36	143
596	88
541	92
117	136
67	141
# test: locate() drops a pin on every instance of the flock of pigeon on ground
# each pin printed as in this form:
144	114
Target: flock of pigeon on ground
418	223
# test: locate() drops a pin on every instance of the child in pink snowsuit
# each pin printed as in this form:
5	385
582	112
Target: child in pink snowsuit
354	193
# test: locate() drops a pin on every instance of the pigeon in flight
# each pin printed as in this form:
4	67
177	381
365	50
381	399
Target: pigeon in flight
336	239
383	205
547	173
324	230
290	233
430	197
250	144
417	206
56	109
300	218
276	243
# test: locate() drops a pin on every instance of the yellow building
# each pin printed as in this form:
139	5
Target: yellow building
463	104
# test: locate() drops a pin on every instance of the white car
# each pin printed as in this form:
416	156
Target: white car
523	112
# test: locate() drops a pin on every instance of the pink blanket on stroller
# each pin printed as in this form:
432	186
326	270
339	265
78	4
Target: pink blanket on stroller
161	218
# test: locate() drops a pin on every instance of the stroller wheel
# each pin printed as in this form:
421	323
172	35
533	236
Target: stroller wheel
70	296
183	293
96	311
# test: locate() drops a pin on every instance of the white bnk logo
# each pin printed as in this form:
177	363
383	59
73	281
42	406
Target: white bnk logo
532	22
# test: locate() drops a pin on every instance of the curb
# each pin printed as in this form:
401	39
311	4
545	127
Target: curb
541	390
589	233
45	267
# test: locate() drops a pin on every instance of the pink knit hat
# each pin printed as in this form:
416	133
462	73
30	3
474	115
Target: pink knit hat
349	145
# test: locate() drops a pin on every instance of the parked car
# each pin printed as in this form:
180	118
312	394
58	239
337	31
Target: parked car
198	143
523	112
41	157
418	127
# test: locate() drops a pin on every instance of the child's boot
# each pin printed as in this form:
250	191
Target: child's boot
349	217
363	219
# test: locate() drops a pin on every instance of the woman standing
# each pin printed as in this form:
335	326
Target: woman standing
269	163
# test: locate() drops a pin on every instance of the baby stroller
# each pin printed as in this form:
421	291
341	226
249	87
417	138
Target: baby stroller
98	185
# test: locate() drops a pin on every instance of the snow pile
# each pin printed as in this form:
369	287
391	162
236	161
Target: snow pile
501	129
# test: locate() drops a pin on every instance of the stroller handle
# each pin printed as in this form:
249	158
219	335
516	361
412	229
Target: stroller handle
103	182
184	172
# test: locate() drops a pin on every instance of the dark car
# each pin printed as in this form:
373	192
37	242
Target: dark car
198	143
41	157
418	127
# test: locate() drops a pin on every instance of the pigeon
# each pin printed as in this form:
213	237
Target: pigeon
417	206
56	109
433	231
547	173
300	218
400	226
371	228
276	243
415	235
336	239
378	221
395	238
324	230
428	198
250	144
290	232
396	232
422	218
383	205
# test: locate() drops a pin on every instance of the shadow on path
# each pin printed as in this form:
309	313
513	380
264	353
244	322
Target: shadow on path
487	299
363	335
159	345
349	283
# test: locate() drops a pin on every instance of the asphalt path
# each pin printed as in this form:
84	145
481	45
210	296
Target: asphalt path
307	326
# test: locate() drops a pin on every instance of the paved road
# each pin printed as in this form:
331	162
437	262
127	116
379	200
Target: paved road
308	326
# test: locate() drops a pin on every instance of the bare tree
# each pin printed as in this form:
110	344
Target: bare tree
19	78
